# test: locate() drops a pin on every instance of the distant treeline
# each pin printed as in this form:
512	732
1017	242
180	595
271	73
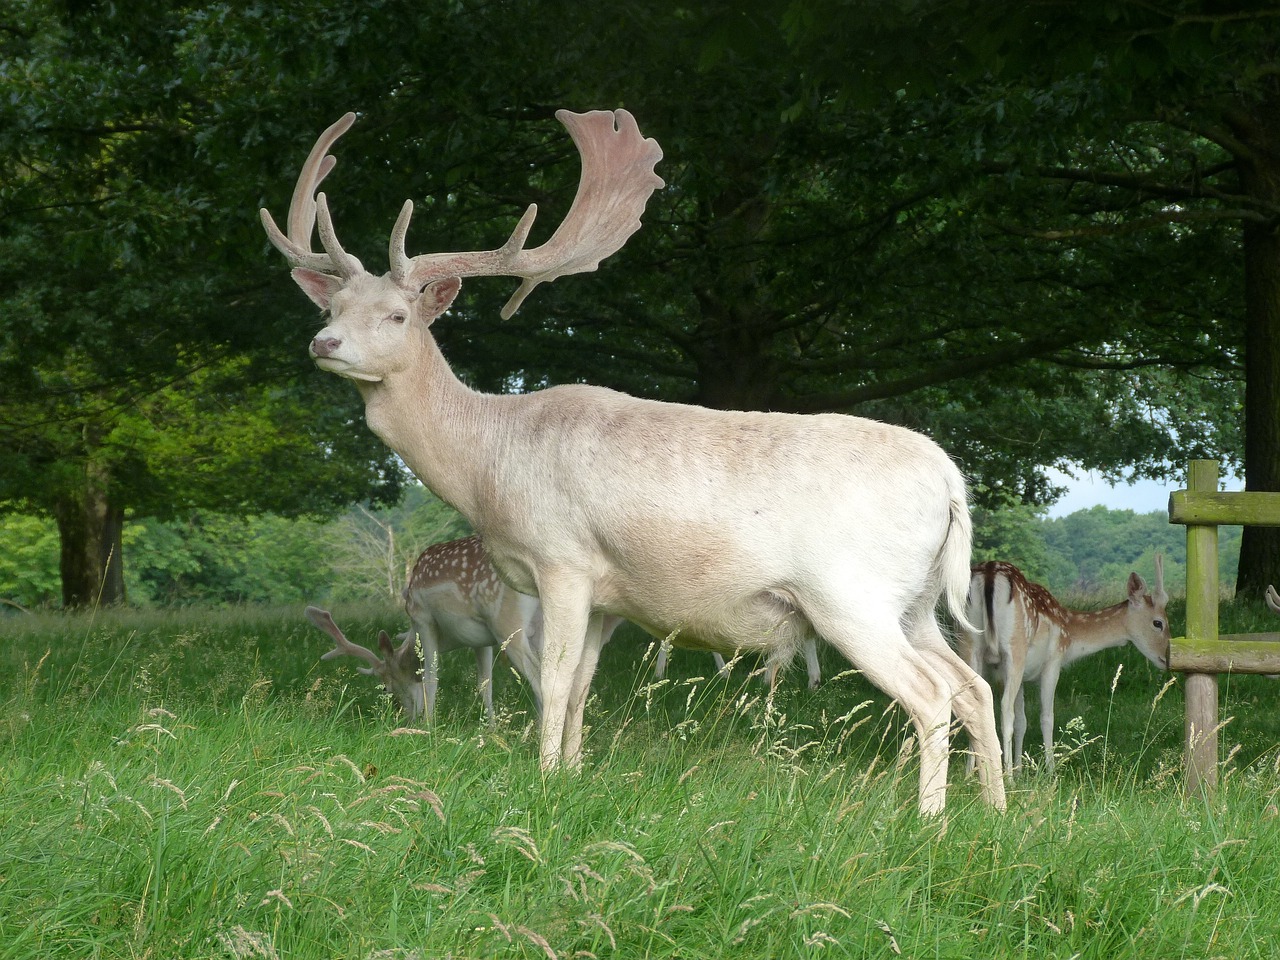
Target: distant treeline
363	554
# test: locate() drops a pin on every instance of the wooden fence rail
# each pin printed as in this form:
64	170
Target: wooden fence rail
1203	653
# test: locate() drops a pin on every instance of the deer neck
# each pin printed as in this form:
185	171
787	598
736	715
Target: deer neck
441	428
1088	631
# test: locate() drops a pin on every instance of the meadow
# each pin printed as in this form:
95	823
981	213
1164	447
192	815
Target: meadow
197	784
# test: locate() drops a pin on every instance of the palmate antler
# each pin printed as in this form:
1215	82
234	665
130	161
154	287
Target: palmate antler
616	183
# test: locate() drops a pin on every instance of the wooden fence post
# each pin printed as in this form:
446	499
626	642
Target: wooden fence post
1201	729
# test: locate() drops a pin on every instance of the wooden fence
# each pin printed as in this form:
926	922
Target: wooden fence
1203	653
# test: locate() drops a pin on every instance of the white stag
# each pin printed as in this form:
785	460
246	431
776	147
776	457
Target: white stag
743	530
1023	633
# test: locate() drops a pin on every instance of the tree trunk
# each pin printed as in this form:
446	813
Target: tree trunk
1260	177
89	528
734	370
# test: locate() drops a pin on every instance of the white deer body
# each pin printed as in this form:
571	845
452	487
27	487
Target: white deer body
736	530
1024	634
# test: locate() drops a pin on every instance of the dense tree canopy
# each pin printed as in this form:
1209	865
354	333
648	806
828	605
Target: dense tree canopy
1038	232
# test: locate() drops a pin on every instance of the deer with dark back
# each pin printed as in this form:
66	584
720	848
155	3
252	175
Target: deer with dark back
739	530
1022	633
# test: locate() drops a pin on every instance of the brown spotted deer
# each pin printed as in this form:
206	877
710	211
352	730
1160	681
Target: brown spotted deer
748	531
455	601
1023	633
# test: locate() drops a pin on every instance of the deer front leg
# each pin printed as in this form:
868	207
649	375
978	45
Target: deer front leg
484	678
430	668
593	642
566	612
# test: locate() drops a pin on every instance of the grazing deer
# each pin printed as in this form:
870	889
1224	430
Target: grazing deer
455	600
1023	633
400	673
745	530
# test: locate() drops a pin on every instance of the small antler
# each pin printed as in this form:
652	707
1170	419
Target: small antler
342	647
616	182
400	673
1273	598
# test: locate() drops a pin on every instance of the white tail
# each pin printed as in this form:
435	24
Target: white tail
1022	633
747	531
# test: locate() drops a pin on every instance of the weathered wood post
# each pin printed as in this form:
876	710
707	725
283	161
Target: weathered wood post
1201	725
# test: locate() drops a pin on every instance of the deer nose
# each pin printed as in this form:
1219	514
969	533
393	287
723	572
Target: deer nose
324	346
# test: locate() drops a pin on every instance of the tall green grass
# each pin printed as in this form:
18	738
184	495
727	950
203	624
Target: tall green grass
199	784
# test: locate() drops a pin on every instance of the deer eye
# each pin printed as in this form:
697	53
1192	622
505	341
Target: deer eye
1158	624
398	317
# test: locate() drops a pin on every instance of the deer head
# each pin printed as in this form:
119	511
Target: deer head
371	318
1146	618
400	673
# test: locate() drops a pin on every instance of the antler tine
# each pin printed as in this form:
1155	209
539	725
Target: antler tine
616	182
346	265
296	246
1273	598
342	647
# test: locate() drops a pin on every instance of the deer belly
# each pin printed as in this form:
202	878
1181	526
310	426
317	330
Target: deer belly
764	621
457	631
1037	657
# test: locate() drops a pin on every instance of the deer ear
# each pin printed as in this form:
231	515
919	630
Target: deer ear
320	287
437	296
1137	586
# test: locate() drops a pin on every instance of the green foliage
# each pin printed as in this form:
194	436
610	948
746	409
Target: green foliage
28	560
1004	529
947	216
220	558
200	785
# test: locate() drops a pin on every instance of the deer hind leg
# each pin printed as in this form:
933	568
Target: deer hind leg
1048	685
972	703
1019	725
873	641
974	649
1011	709
811	663
523	654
